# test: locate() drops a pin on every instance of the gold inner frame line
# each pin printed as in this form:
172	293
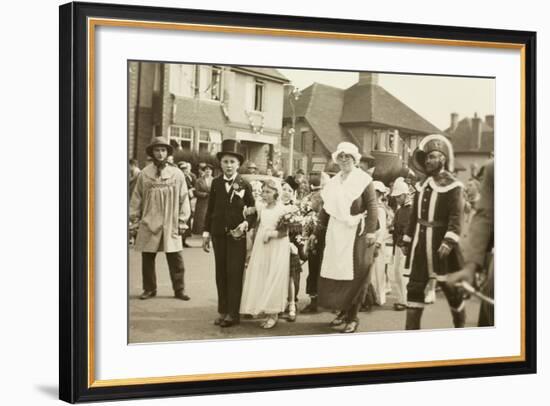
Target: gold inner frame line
94	22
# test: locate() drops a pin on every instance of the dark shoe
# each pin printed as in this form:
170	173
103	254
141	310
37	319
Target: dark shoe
229	321
338	321
185	245
311	307
351	327
181	295
399	307
148	294
218	320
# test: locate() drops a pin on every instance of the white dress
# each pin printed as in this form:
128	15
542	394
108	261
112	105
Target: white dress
266	278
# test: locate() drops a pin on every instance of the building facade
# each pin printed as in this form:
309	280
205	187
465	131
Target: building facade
198	106
473	141
385	129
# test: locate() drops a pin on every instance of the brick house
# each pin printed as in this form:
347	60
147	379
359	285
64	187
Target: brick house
384	128
473	141
198	106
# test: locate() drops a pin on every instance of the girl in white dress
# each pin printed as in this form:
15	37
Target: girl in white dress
378	271
266	278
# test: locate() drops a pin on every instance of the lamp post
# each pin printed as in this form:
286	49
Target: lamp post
293	97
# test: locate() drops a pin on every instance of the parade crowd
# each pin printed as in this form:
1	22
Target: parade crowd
425	231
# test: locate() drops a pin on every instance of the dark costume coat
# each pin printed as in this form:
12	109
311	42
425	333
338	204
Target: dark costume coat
437	217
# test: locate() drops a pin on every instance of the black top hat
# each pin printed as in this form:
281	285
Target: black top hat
230	147
159	141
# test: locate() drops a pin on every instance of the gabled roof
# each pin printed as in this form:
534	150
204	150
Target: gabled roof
321	106
269	73
370	103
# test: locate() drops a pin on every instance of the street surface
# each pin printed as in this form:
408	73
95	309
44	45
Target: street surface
165	318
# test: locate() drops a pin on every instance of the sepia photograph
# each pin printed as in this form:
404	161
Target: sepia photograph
275	201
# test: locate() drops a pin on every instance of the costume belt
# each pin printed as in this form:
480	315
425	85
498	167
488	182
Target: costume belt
433	224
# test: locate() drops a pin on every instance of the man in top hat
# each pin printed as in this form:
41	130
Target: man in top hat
226	227
159	211
434	231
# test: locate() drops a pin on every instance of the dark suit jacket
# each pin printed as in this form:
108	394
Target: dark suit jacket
224	212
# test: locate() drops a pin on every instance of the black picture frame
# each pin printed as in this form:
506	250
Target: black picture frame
74	380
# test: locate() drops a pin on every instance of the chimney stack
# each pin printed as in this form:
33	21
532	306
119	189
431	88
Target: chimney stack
490	120
454	121
476	132
368	78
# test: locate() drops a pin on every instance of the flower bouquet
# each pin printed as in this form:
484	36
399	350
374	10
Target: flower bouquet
291	221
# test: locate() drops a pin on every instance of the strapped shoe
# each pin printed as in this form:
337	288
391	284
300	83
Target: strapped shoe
291	313
351	327
270	323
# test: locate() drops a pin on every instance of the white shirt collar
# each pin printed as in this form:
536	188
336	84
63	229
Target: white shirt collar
231	178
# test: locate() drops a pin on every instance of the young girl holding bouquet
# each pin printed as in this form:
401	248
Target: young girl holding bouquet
292	221
266	278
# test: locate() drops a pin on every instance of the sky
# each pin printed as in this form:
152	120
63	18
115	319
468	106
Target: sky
433	97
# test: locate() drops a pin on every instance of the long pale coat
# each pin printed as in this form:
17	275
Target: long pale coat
160	205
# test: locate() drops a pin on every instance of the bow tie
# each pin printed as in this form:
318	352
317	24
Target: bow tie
228	181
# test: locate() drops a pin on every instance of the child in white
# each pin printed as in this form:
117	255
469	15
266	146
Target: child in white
378	271
266	278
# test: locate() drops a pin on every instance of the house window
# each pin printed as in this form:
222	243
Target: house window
259	96
209	141
181	137
380	141
216	84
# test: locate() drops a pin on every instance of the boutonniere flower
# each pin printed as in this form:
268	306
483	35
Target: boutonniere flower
237	189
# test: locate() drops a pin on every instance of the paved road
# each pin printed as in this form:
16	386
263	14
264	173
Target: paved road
164	318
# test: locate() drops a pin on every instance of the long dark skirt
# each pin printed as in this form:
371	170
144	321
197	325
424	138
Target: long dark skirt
341	295
200	215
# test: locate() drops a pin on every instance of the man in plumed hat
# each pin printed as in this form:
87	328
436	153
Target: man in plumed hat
226	227
159	211
432	238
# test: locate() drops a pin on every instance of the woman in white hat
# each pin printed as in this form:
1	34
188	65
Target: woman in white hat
348	223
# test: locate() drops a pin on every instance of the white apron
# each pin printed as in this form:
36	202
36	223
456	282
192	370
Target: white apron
338	197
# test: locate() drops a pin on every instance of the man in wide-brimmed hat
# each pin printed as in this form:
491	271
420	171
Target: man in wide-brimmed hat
226	227
434	231
159	211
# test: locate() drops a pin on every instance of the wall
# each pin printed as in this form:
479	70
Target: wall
29	350
240	89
